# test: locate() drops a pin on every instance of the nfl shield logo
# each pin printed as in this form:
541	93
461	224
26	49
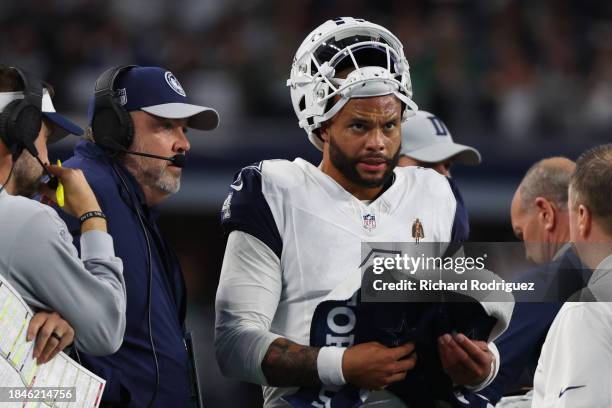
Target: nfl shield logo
120	96
369	222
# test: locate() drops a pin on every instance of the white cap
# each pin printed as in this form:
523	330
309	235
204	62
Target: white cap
61	125
425	138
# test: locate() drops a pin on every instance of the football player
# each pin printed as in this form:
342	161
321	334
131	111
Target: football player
295	229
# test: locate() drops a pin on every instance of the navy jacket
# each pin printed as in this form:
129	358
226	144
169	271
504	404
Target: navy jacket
130	373
520	345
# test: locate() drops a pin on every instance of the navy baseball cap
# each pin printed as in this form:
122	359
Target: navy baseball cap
156	91
61	127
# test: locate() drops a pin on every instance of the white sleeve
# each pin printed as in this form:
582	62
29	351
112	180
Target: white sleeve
574	367
247	297
492	374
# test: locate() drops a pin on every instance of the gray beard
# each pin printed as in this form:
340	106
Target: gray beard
154	177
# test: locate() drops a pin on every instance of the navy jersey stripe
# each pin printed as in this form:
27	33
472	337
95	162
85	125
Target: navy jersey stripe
461	223
246	209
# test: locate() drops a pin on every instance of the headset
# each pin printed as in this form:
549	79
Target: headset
20	123
112	125
21	119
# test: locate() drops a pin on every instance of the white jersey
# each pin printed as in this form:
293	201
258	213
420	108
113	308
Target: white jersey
574	367
296	234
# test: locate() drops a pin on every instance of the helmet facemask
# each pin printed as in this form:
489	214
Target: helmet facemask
370	56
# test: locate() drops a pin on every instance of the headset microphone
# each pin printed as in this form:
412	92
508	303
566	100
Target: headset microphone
178	160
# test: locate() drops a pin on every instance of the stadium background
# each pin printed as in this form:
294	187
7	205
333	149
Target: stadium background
519	80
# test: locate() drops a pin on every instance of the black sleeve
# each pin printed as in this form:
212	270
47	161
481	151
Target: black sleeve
461	223
246	209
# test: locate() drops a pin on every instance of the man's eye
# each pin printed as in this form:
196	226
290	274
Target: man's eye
357	126
390	126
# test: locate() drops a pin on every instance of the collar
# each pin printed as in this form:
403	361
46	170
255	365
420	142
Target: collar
334	189
602	275
90	150
606	264
561	251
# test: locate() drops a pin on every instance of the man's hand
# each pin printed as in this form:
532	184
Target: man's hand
368	365
79	197
374	366
52	334
467	362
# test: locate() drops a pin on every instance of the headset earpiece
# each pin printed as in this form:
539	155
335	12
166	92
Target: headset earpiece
21	119
112	125
112	128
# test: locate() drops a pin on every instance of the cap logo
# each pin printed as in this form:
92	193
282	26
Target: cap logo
174	83
439	126
121	96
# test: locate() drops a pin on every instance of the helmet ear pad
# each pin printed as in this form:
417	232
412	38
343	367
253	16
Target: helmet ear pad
20	124
112	126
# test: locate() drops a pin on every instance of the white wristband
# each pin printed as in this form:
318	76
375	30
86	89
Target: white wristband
329	365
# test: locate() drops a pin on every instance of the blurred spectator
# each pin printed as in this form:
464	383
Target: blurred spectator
511	68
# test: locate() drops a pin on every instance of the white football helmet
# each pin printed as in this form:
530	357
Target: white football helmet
372	53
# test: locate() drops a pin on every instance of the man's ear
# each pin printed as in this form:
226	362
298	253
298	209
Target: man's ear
585	218
324	131
547	213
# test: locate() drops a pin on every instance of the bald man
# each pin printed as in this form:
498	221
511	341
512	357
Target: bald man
539	209
540	218
576	363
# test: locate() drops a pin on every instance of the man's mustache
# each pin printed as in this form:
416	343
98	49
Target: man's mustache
376	157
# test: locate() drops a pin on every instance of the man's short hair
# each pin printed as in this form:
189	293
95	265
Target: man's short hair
548	178
10	81
592	186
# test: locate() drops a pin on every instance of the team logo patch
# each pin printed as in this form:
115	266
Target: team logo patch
417	231
369	222
121	96
174	83
237	184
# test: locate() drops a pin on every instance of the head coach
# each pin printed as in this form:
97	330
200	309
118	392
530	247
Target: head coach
133	160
